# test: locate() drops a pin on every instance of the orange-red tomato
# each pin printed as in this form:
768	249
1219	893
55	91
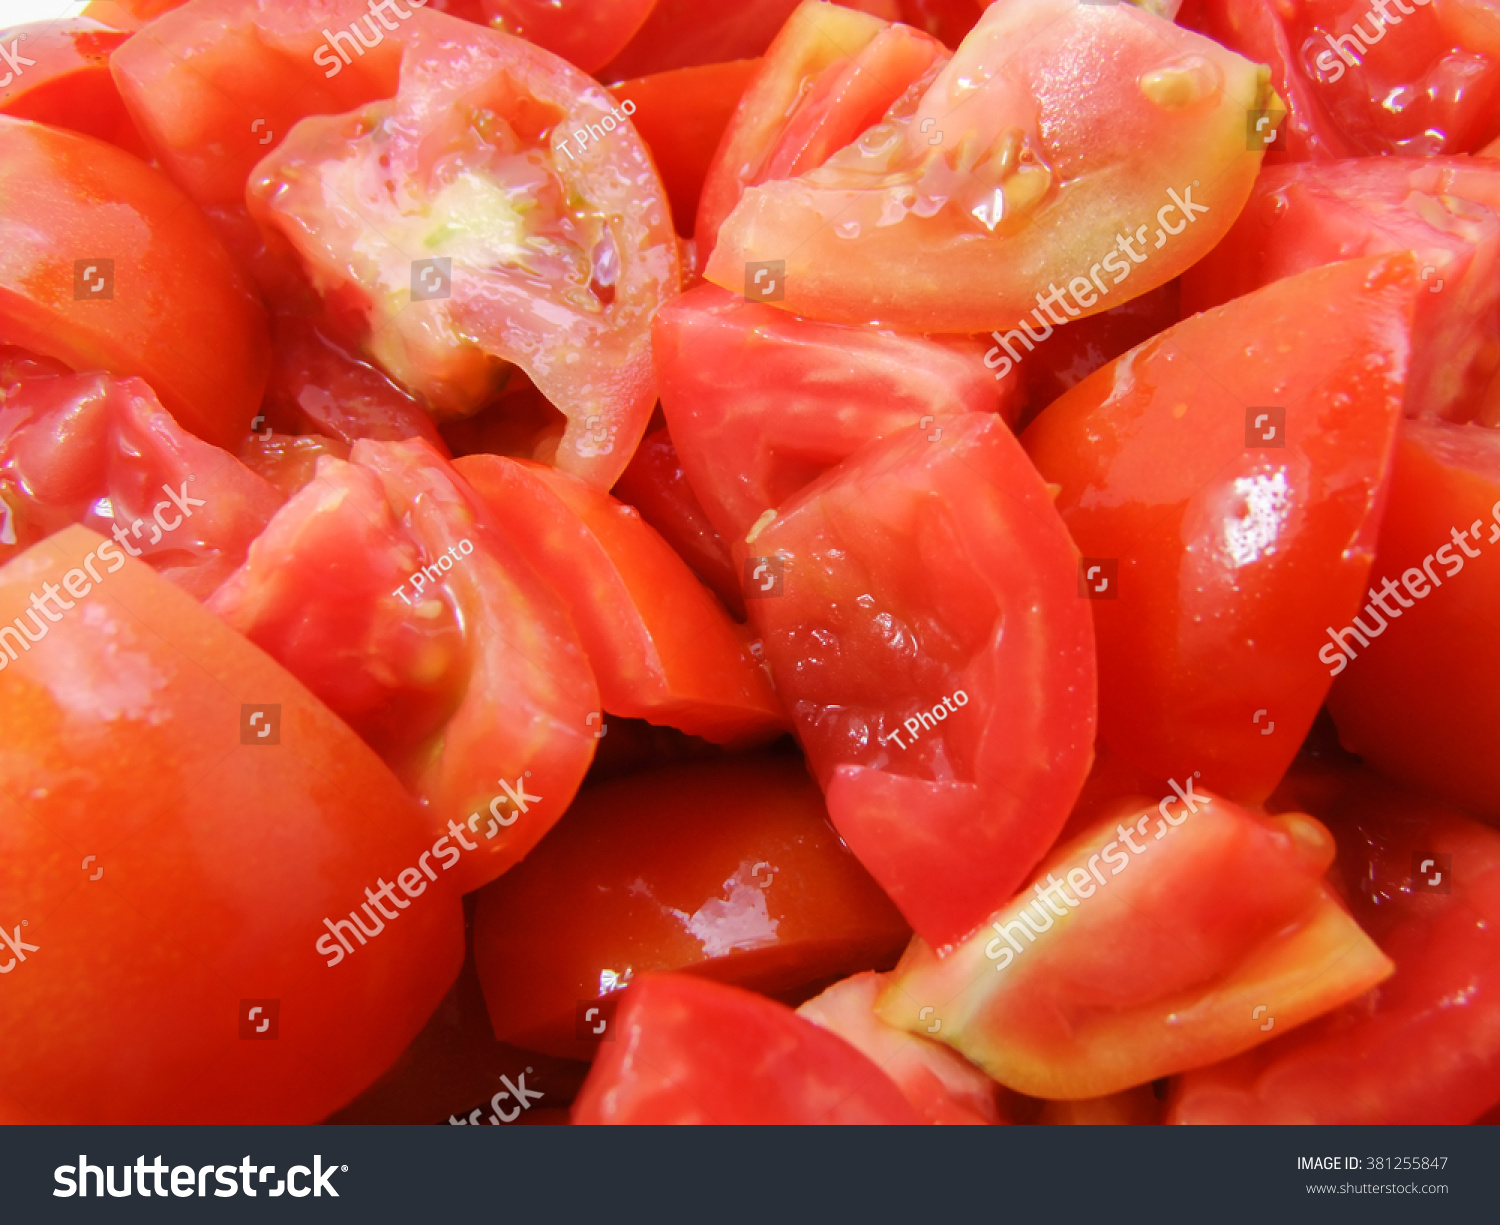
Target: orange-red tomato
64	80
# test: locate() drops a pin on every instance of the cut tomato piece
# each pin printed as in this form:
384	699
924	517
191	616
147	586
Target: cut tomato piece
91	449
1424	1048
661	647
1418	688
763	895
691	1051
467	677
830	74
61	77
1004	190
1216	912
943	1086
682	115
1225	495
917	579
586	33
134	727
107	266
656	485
1445	210
289	461
761	402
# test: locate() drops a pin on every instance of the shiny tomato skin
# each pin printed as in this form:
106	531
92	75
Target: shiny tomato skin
67	83
1424	1046
726	869
1445	209
586	33
760	402
682	115
1228	557
468	679
656	485
691	1051
933	575
661	647
215	861
1159	962
101	451
166	304
1442	513
1056	131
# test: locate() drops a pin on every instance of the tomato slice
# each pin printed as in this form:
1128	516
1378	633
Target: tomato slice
656	485
1079	997
942	1085
682	115
129	733
760	402
90	449
918	578
61	77
1435	585
1225	496
467	678
691	1051
1424	880
661	647
830	74
764	896
107	266
963	211
1446	210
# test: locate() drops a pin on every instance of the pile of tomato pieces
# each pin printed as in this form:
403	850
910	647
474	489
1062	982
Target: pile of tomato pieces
897	561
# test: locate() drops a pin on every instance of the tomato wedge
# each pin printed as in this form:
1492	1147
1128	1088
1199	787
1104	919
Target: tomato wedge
1219	911
467	678
761	402
661	647
212	860
91	449
1225	496
1430	614
635	880
1007	185
107	266
691	1051
62	78
917	579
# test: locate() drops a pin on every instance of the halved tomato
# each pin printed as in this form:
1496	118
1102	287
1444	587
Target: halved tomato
225	820
1060	135
728	870
760	402
1218	917
61	77
691	1051
1223	482
105	265
100	451
383	587
660	645
924	575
